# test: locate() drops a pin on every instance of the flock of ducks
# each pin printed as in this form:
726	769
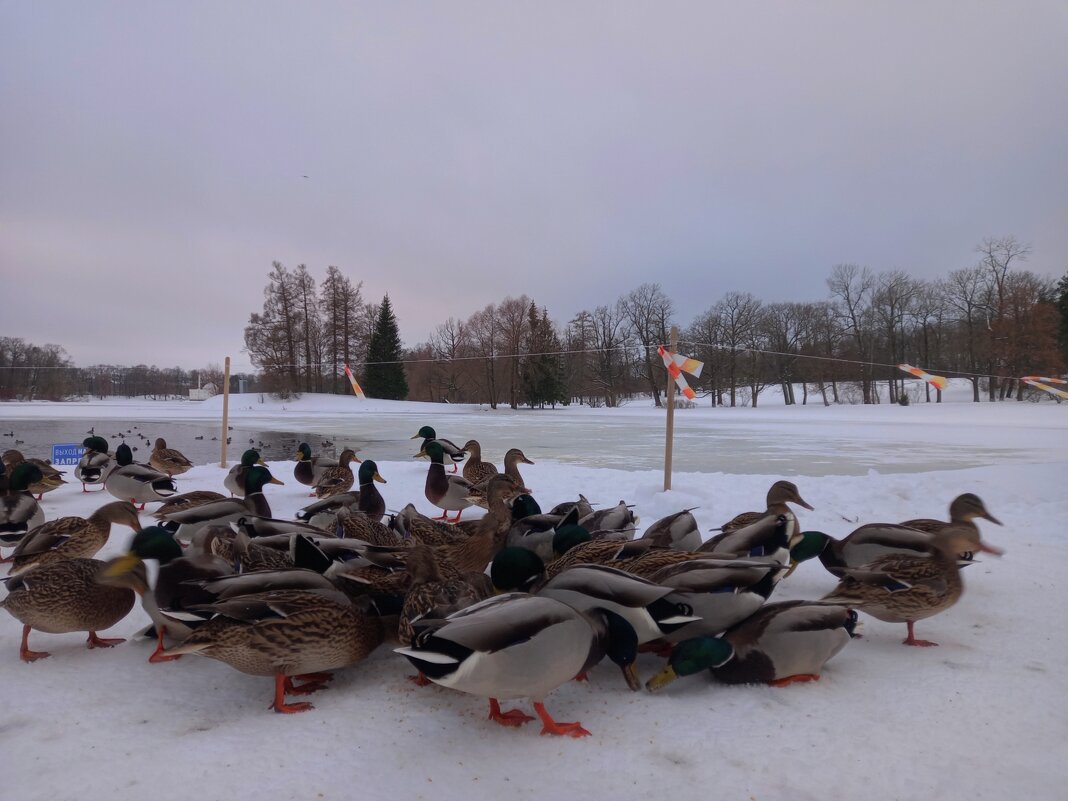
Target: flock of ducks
510	605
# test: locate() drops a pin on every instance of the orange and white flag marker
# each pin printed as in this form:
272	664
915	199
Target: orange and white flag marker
352	380
677	365
1042	382
937	381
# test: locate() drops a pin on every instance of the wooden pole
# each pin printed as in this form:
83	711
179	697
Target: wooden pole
670	411
226	411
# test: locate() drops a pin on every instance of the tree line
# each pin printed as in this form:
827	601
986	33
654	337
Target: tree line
991	323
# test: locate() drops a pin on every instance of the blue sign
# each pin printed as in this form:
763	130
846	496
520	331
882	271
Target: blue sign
67	453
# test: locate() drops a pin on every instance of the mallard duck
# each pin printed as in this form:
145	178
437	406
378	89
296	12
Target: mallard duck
19	511
350	523
780	494
168	460
332	504
187	500
519	646
643	604
71	537
780	644
139	483
309	469
95	464
235	479
904	589
572	545
618	519
286	634
408	523
448	493
64	597
963	510
473	552
430	594
51	479
769	537
582	506
371	502
475	470
336	480
862	546
678	531
186	522
177	583
449	449
535	531
512	459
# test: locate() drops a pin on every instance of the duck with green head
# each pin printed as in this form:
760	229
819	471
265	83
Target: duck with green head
235	479
309	469
448	493
177	588
19	511
186	522
371	502
780	644
454	453
95	464
137	483
520	646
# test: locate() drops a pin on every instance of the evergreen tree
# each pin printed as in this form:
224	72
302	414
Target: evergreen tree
1062	308
384	374
541	374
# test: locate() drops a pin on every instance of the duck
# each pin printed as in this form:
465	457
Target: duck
431	594
512	459
617	520
139	483
520	646
287	634
71	537
168	460
338	479
51	479
309	469
780	644
861	546
475	470
64	597
643	604
903	589
186	522
409	524
370	502
963	511
19	510
583	507
454	453
332	504
187	500
177	588
533	530
95	464
680	530
475	551
769	537
780	494
235	479
355	524
448	493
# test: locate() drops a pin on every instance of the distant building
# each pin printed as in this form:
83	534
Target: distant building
203	393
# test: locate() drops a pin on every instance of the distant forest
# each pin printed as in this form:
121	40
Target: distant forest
991	323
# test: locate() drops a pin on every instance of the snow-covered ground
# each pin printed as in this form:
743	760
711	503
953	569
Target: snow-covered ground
982	716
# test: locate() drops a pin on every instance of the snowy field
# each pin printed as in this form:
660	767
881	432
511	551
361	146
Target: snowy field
985	715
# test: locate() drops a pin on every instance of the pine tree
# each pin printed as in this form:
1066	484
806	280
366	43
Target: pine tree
384	374
541	374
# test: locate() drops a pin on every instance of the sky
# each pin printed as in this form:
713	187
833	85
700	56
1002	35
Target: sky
156	158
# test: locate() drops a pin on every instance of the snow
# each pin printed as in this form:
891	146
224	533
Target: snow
980	716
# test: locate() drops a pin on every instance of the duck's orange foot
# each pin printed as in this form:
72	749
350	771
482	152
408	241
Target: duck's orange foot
800	677
279	704
420	680
583	676
93	641
307	688
158	655
26	655
911	639
457	518
513	717
550	726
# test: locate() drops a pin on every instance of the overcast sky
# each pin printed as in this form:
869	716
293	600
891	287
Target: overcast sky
152	155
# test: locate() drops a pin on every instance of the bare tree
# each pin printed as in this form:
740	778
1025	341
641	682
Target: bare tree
738	313
648	312
853	288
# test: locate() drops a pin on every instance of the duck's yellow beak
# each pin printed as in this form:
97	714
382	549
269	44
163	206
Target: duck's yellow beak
276	481
630	674
121	565
416	436
793	566
379	478
661	679
298	456
422	453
